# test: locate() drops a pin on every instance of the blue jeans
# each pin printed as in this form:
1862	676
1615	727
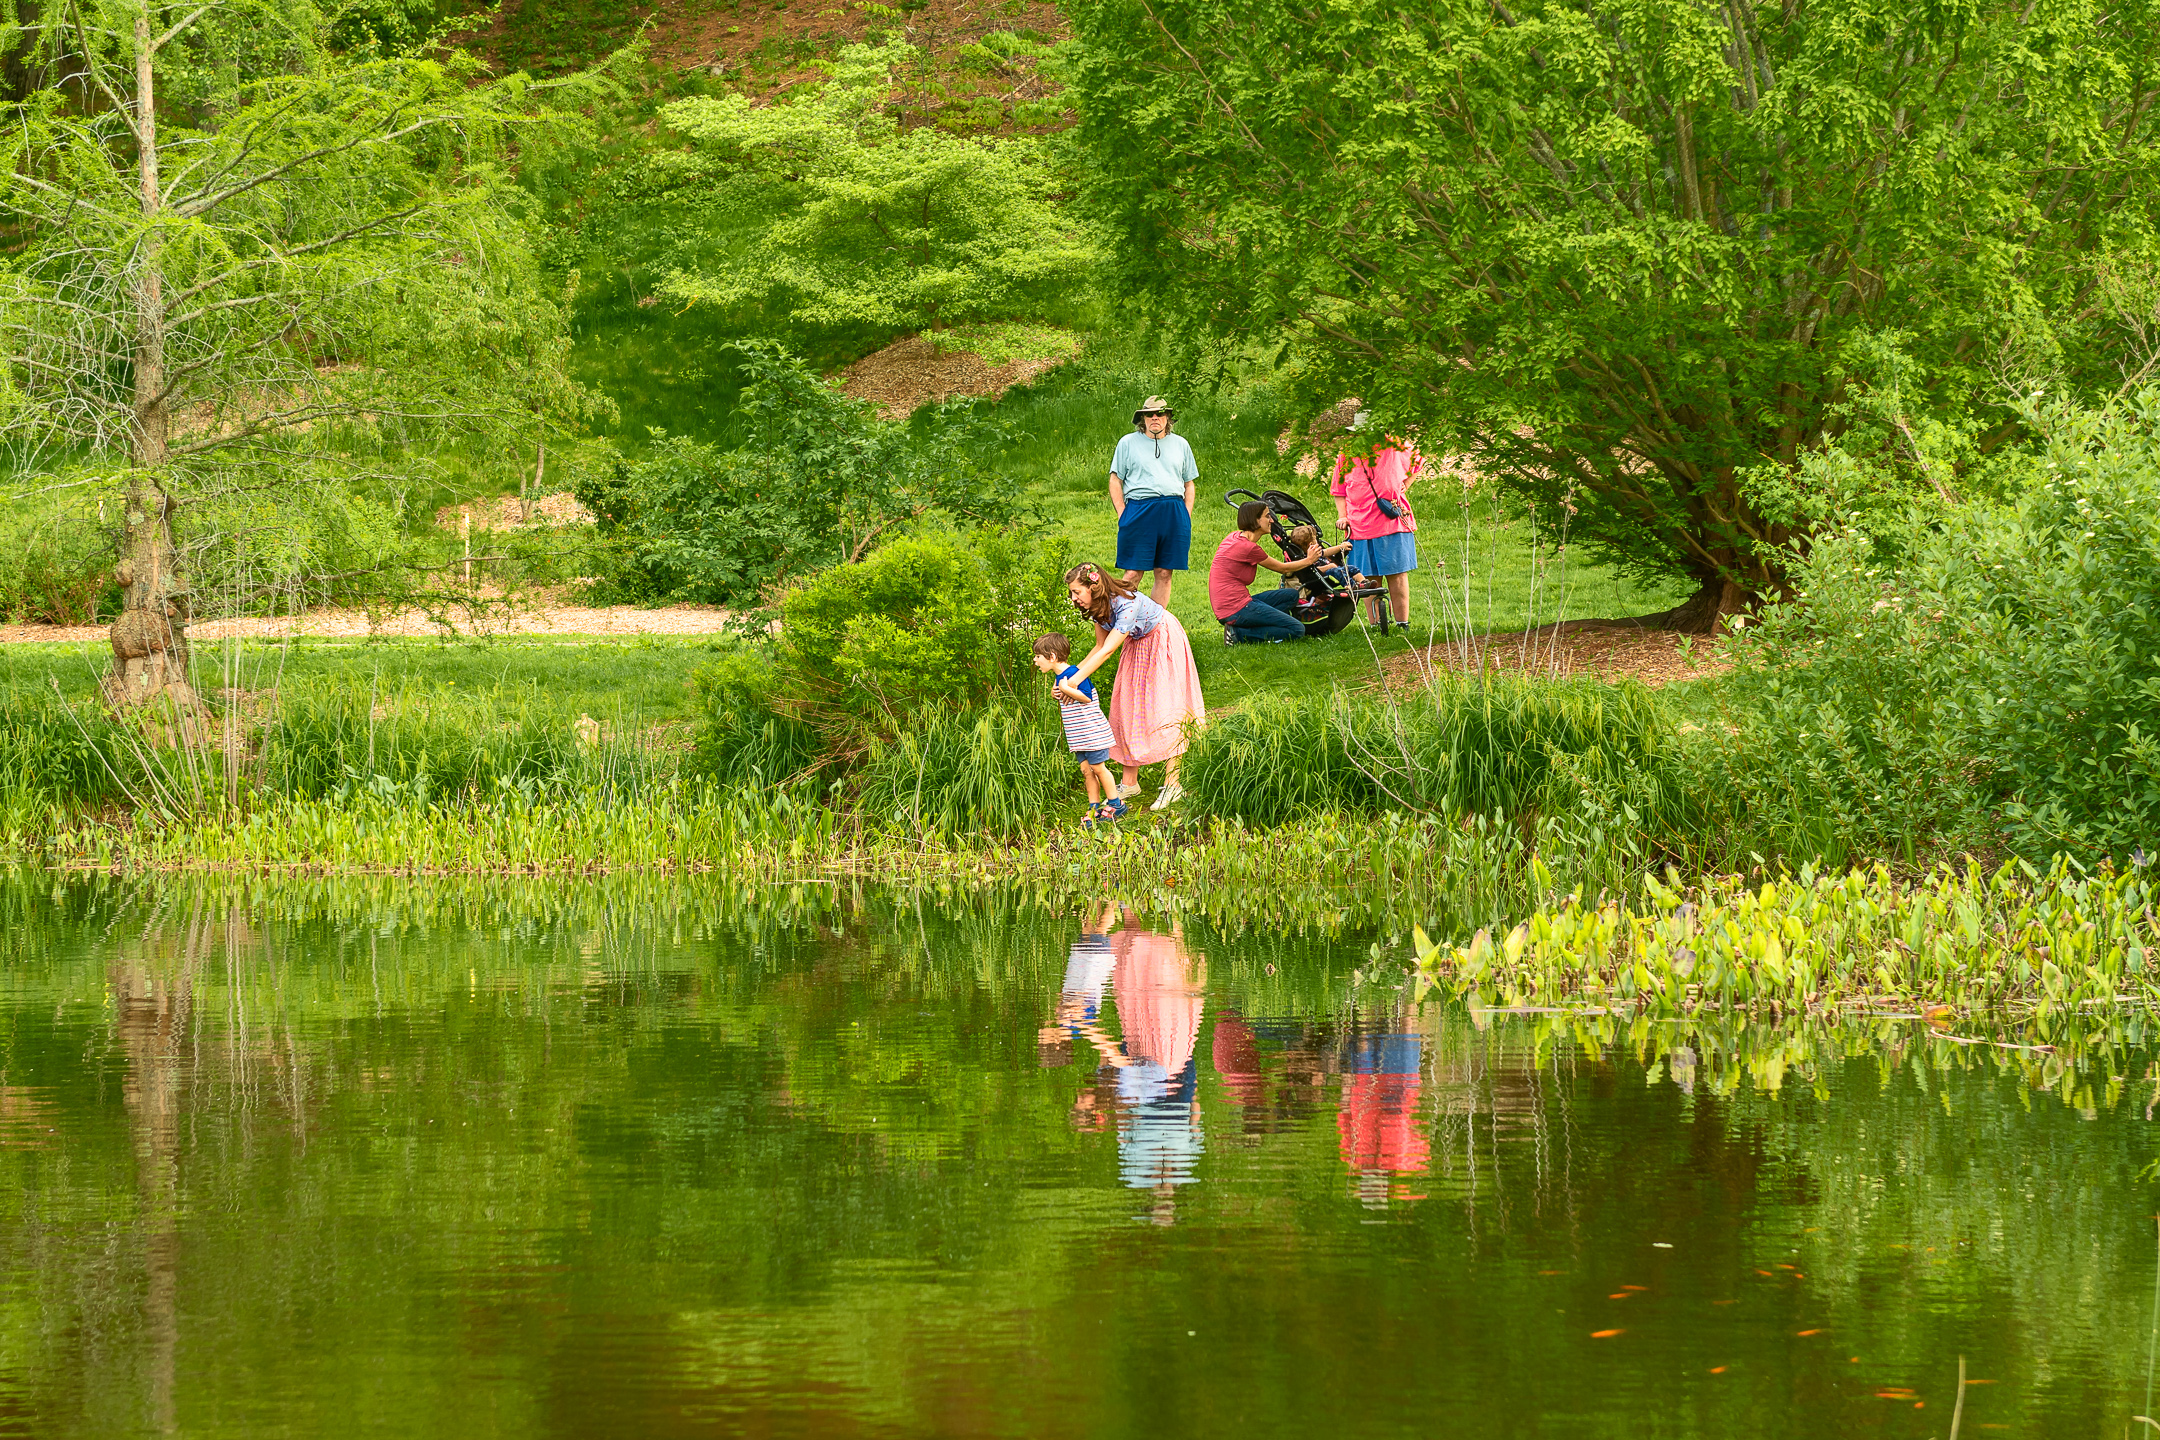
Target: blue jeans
1267	617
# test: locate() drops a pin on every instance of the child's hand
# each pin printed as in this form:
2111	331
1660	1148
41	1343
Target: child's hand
1068	693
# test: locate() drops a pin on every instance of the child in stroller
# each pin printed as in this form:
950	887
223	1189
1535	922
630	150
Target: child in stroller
1330	592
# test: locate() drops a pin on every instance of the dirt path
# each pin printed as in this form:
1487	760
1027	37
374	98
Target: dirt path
412	624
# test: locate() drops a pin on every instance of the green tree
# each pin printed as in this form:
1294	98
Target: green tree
1646	257
855	220
235	249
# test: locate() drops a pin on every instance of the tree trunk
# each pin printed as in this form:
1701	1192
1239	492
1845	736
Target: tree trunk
1704	612
149	639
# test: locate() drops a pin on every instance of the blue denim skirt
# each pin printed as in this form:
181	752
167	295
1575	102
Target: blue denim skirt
1384	554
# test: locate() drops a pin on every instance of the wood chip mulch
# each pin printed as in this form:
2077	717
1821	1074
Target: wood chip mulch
1654	657
913	372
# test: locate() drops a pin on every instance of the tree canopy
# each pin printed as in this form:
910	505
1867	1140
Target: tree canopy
1647	257
852	219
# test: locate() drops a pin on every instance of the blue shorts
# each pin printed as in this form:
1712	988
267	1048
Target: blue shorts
1092	757
1154	534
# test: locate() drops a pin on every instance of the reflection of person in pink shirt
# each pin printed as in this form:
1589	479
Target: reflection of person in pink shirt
1157	989
1378	1126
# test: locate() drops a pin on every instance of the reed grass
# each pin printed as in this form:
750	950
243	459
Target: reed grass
994	772
1452	746
1392	870
2009	939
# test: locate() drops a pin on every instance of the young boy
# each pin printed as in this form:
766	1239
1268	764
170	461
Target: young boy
1308	538
1087	729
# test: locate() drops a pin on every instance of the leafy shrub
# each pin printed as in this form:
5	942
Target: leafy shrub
931	620
1461	746
1995	681
873	659
819	482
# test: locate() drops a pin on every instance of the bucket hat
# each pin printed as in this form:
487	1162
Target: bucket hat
1154	405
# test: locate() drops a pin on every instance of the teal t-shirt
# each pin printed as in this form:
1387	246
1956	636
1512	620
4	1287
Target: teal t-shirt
1149	467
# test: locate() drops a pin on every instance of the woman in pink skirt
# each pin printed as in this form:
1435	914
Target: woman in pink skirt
1157	688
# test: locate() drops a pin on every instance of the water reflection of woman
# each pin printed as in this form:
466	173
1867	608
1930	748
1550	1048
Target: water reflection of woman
1158	989
1379	1128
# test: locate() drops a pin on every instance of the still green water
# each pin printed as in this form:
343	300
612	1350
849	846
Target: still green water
588	1160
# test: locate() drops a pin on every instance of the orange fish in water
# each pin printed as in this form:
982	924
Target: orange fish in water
1617	1295
1605	1334
1634	1287
1718	1369
1807	1332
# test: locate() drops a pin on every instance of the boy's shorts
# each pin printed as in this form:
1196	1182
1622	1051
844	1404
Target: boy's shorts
1154	534
1092	757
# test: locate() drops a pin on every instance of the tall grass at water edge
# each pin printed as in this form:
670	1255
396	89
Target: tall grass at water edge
327	739
1452	746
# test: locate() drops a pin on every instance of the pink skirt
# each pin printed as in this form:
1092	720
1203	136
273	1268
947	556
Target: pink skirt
1156	692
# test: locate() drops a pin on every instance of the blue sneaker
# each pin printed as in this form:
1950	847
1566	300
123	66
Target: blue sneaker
1111	809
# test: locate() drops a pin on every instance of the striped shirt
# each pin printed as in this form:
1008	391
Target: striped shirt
1086	727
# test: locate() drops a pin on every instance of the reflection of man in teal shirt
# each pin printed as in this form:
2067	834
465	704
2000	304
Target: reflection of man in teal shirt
1152	489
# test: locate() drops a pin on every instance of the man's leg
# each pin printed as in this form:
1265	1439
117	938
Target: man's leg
1160	594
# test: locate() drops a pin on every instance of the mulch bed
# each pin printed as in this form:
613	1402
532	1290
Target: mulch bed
913	372
1610	653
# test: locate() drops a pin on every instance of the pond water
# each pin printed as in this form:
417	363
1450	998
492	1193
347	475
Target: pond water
553	1160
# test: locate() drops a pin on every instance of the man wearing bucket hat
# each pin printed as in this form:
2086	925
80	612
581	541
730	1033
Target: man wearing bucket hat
1152	488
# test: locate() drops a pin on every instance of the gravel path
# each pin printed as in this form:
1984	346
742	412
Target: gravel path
412	624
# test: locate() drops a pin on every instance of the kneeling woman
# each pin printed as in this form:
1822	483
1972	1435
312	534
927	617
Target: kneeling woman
1157	689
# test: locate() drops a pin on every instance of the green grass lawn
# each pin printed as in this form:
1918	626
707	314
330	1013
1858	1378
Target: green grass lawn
1476	557
646	679
1068	423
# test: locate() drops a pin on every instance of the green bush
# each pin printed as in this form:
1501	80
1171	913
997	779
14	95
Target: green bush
873	662
820	481
1983	676
1459	746
931	620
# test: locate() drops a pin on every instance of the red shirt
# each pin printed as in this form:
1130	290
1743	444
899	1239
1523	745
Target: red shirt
1229	574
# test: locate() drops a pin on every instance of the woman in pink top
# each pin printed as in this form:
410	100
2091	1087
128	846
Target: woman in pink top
1381	545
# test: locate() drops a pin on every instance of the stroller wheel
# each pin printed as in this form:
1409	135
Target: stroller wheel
1337	613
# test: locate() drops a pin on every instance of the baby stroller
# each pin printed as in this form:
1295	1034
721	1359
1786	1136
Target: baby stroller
1327	599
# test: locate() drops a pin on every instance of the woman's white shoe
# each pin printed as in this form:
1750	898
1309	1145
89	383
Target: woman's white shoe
1126	792
1170	795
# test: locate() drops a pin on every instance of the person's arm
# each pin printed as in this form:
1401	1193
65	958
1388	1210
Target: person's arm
1117	495
1288	567
1070	692
1192	496
1107	643
1340	497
